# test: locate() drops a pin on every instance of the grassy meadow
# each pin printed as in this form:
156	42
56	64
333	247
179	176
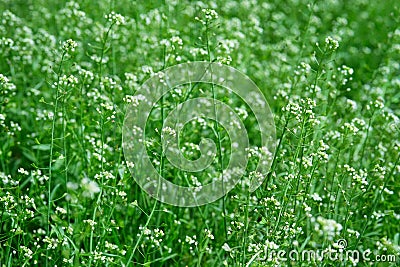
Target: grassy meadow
69	70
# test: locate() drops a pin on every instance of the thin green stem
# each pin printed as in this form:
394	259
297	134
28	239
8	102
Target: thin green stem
64	137
98	201
53	130
219	144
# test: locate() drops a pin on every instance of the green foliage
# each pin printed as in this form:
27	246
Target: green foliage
68	70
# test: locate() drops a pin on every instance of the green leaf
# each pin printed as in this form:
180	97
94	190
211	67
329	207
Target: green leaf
42	147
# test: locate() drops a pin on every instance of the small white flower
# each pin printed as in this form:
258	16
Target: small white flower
352	104
316	197
23	171
90	187
226	247
61	210
90	222
209	234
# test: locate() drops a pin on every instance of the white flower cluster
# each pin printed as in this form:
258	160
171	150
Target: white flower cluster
270	245
224	60
108	83
209	234
90	222
379	103
191	240
345	74
345	70
359	177
134	99
27	252
130	81
331	44
176	40
198	51
60	210
3	79
321	153
305	107
154	237
70	80
351	104
303	69
169	131
105	174
6	86
115	18
86	75
6	42
147	69
7	179
327	227
354	126
69	46
209	15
